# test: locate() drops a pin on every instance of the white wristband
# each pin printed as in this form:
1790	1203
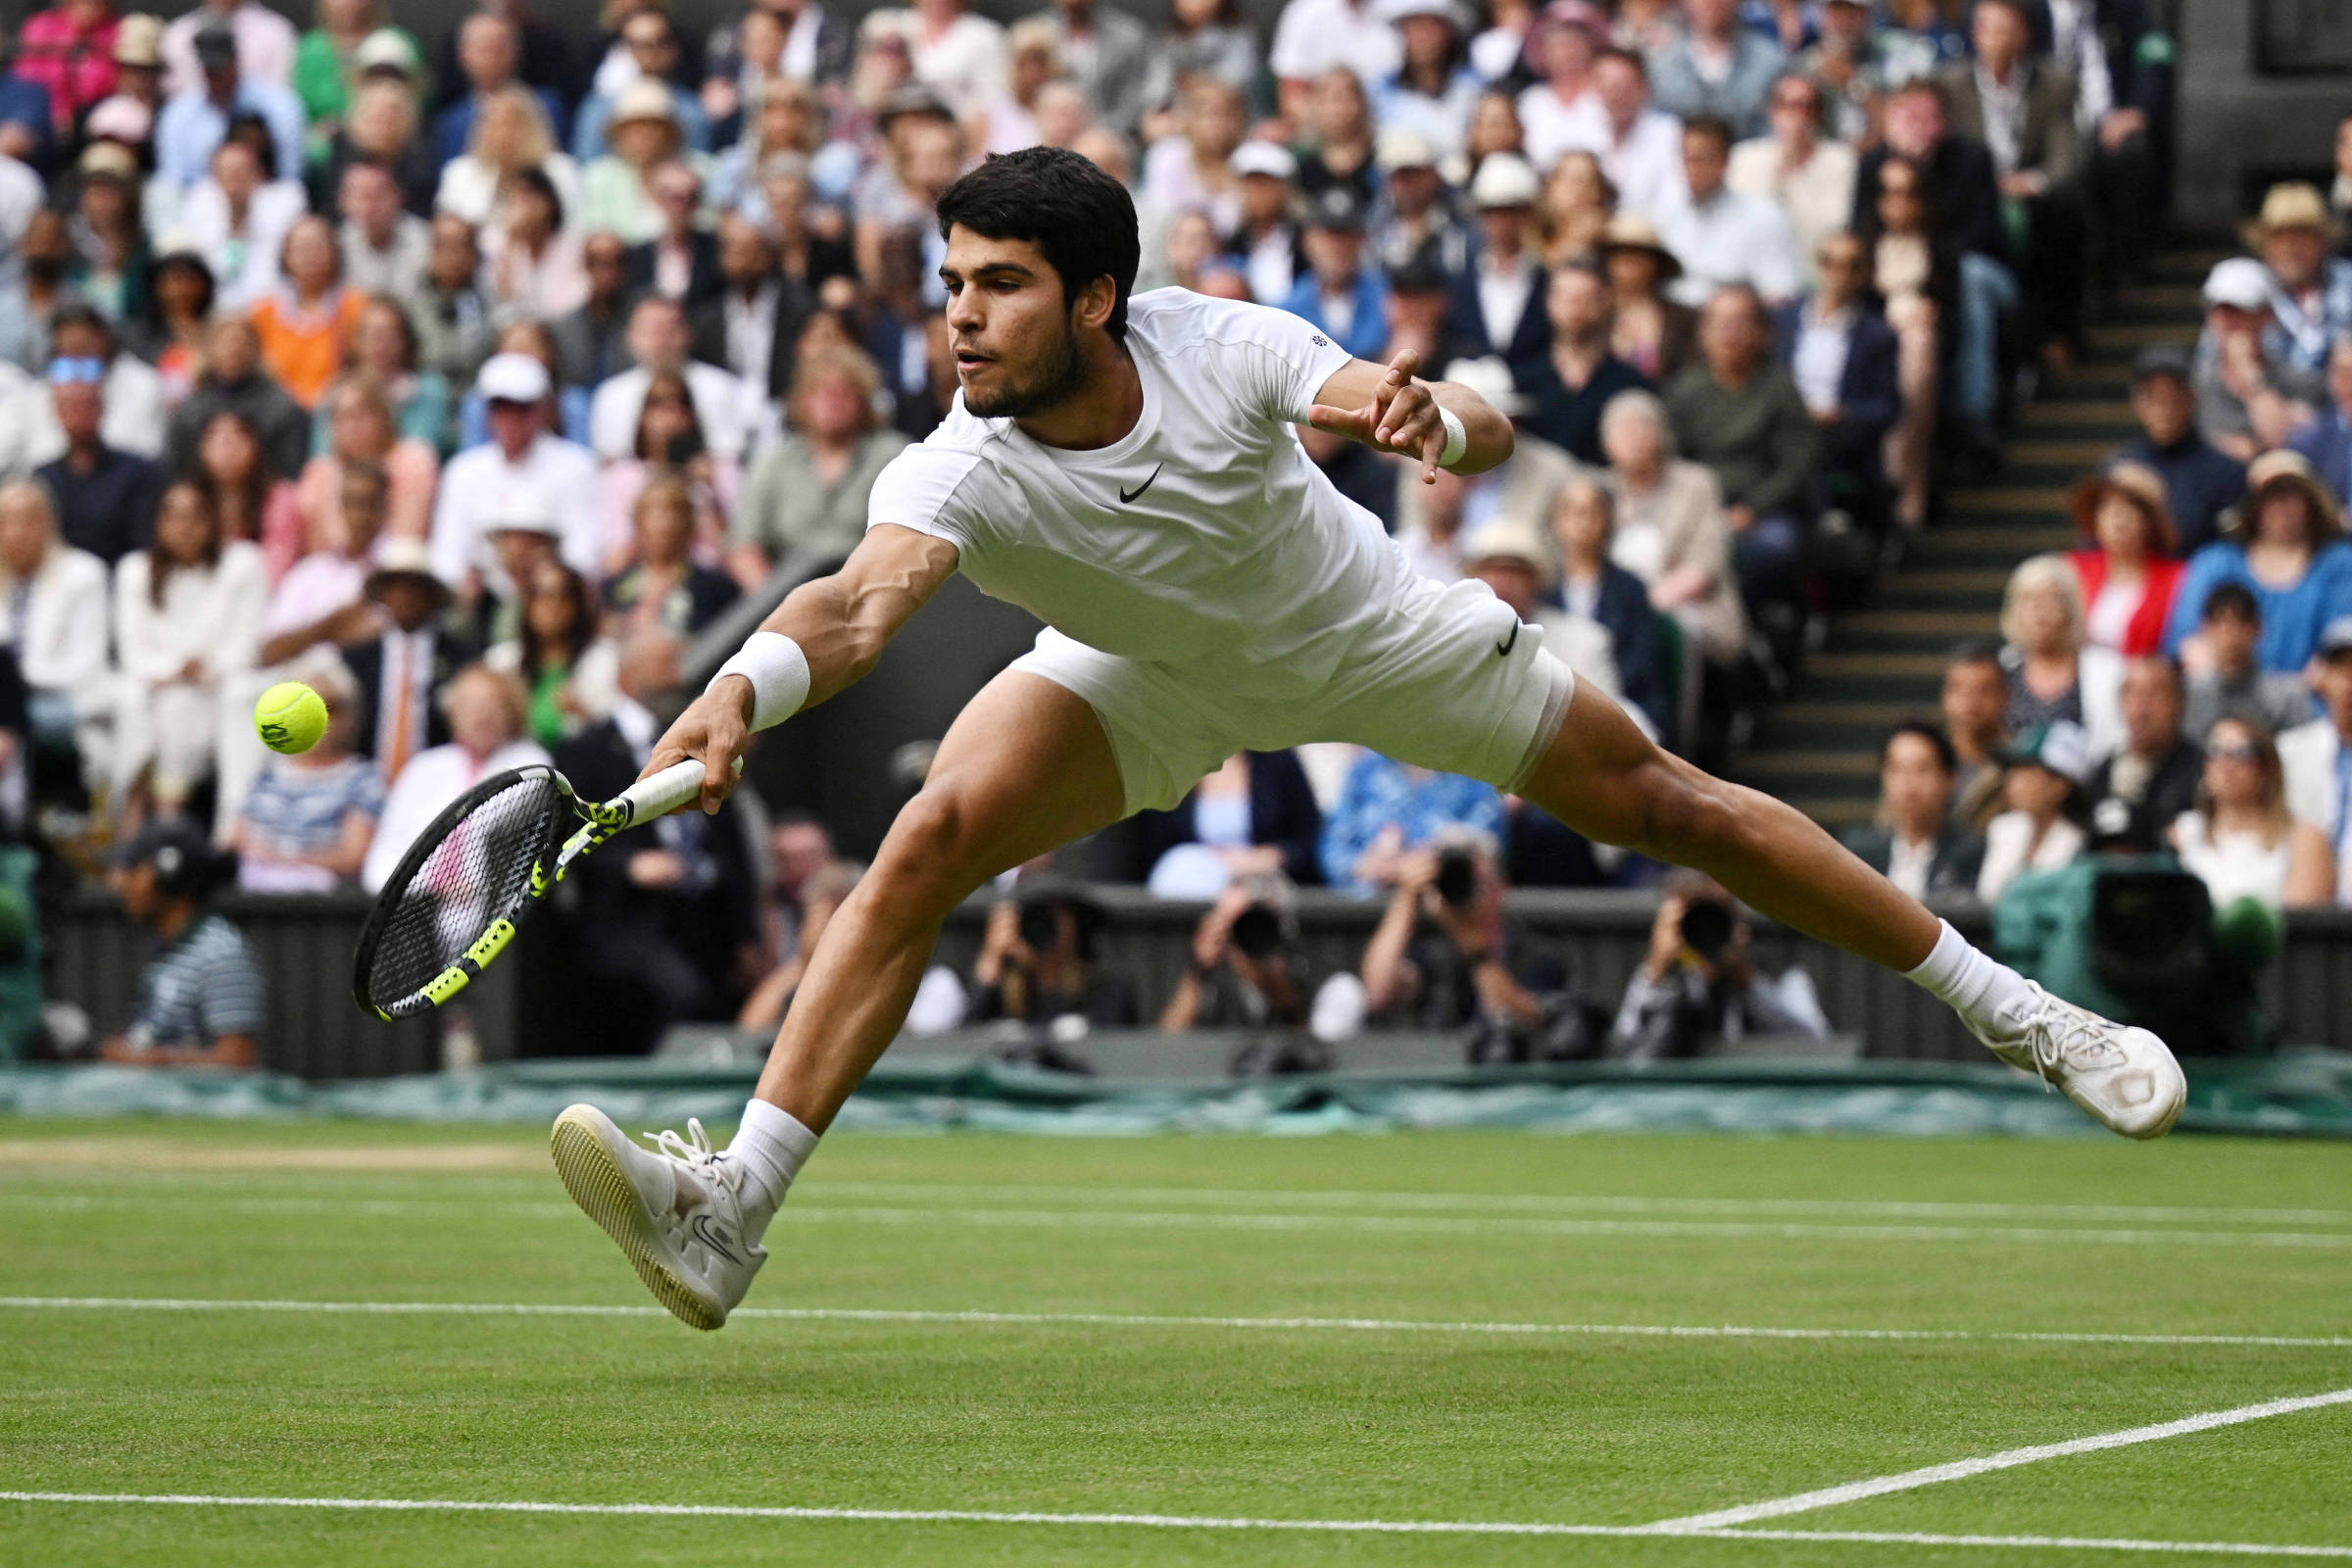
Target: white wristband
1457	439
778	673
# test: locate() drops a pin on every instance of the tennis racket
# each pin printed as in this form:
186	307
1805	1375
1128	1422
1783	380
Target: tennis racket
455	900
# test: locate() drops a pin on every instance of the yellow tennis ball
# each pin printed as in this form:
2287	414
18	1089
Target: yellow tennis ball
290	718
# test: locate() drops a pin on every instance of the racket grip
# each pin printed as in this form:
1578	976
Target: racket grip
679	784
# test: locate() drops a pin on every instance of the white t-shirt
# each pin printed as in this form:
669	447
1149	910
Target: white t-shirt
1203	537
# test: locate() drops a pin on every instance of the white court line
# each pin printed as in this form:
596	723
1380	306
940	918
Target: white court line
948	1216
1155	1320
1154	1521
1961	1470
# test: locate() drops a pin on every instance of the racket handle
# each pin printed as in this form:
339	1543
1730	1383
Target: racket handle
679	784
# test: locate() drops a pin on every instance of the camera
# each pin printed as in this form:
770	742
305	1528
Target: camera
1457	877
1041	926
1706	927
1257	933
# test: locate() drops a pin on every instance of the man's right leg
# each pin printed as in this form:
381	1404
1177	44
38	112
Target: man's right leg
1025	768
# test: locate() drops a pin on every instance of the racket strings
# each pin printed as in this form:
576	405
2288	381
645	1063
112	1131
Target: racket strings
479	873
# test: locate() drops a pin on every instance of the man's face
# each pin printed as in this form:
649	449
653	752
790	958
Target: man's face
486	52
1999	35
651	45
2151	706
1513	580
1703	161
2232	639
2293	256
455	258
1842	262
480	717
1504	229
1011	332
370	201
658	336
1911	777
229	351
607	261
743	254
1795	112
1414	190
1337	256
2163	406
81	409
1265	198
2339	377
135	886
1728	332
933	153
1624	91
677	192
513	425
1711	19
1974	695
1578	303
1914	123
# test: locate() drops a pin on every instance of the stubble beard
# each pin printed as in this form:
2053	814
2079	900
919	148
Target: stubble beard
1060	374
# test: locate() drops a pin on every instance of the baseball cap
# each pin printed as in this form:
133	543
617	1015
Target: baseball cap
384	49
1269	158
513	378
1396	11
215	44
167	844
2161	360
1403	147
1339	209
2240	282
1419	274
1505	180
121	118
2335	637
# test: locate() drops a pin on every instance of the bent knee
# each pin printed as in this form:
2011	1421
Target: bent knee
930	855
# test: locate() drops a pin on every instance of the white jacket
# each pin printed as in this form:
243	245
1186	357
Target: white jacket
62	645
2307	755
212	616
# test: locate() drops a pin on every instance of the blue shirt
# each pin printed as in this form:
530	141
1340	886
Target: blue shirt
2201	481
1367	331
2292	618
191	126
1380	791
299	810
2327	442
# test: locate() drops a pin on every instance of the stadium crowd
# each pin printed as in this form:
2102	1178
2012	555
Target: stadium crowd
469	378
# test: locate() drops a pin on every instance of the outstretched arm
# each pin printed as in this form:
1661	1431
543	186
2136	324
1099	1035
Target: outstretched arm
1387	409
841	624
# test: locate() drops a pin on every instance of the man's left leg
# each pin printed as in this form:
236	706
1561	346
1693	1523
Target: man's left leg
1605	778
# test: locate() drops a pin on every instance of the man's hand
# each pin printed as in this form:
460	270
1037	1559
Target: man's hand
713	730
1401	418
1665	939
2119	125
1738	518
656	869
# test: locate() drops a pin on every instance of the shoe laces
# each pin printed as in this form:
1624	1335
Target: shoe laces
694	1152
2068	1038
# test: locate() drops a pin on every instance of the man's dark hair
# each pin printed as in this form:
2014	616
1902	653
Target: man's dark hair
1079	217
1945	757
77	313
1714	126
1976	651
2234	599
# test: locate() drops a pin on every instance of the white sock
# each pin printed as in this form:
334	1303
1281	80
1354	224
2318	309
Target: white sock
1974	984
770	1146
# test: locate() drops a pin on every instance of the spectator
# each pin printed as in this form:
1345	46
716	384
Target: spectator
808	252
1639	147
1670	529
259	40
660	341
753	326
488	51
2130	570
1266	242
1810	176
1561	111
1203	38
383	348
1339	293
2054	675
1741	414
485	713
2248	401
1651	332
2316	756
1040	964
1493	128
591	342
109	232
1254	816
1578	201
306	826
1009	121
1699	982
1721	236
361	431
1975	703
523	467
957	56
617	188
2021	108
199	999
381	128
45	286
1845	359
2239	839
2042	797
2327	441
1191	169
105	497
810	898
238	219
1595	589
222	81
305	323
168	333
534	261
662	587
1915	843
402	668
452	315
1420	300
1568	388
2227	678
651	41
786	127
348	41
1314	37
1248	971
1387	808
1514	561
187	614
1916	276
1478	969
2285	543
679	262
1108	53
1717	69
2311	291
511	134
2154	773
2200	482
806	494
251	501
53	616
1498	302
384	246
544	53
670	445
320	603
1434	86
566	667
68	50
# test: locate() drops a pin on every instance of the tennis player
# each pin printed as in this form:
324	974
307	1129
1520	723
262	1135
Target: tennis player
1126	468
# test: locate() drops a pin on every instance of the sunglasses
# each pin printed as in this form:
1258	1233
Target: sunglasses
83	369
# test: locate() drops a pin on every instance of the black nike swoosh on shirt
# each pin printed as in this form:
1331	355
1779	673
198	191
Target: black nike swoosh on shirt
1506	646
1126	496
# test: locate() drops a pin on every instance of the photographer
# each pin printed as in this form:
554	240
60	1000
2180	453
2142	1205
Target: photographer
1037	962
1475	969
200	997
1699	984
1246	973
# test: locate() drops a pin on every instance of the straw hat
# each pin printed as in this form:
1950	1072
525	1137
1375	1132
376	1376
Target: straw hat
2292	471
2136	483
139	42
644	99
1631	232
2292	204
1509	539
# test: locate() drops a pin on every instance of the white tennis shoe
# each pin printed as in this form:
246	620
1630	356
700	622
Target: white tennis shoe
2126	1078
676	1209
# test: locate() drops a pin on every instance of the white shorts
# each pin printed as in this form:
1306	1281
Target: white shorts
1450	679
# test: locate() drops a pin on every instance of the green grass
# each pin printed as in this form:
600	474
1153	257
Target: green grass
1191	1419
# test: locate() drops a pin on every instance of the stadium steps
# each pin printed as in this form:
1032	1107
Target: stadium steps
1883	661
